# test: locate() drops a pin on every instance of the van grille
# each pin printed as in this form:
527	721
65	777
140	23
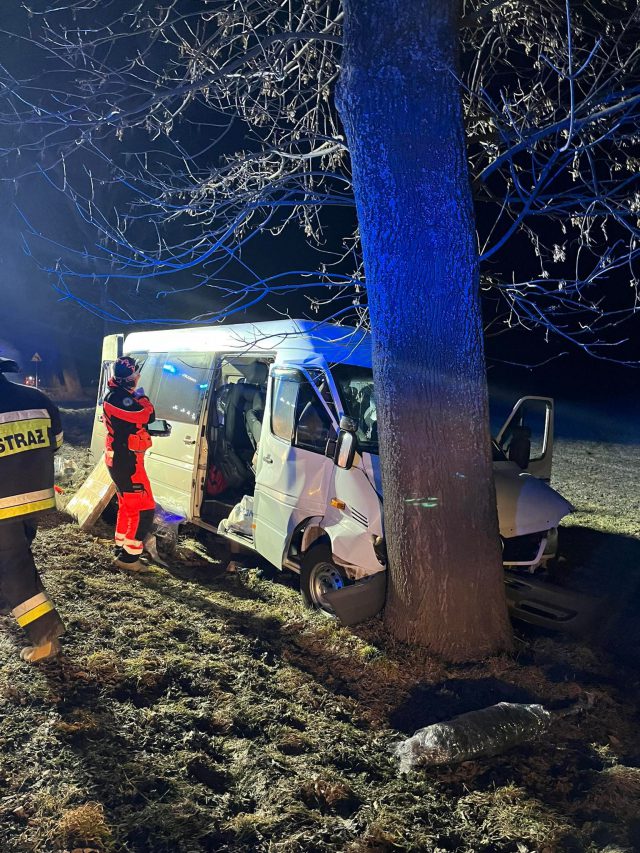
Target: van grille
359	517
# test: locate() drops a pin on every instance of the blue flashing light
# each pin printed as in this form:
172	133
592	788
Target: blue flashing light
168	517
204	386
170	368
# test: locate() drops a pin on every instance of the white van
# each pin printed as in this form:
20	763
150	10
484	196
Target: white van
267	434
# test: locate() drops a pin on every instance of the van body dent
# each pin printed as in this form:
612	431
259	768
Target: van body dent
284	413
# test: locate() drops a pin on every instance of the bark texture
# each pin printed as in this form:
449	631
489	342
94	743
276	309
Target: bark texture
399	100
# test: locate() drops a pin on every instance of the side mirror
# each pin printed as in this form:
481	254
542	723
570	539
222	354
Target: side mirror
348	424
519	450
346	445
159	428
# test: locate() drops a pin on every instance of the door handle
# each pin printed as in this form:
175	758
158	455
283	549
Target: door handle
267	459
188	440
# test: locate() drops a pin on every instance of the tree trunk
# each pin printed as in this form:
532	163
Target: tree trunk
400	103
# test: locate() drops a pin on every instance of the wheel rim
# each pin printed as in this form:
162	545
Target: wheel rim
325	577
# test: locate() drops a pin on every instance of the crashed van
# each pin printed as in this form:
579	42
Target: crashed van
267	435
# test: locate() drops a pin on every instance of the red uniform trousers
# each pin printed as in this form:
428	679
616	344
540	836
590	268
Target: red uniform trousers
136	505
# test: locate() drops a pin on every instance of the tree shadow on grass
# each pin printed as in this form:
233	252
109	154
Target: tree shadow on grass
435	703
600	564
605	565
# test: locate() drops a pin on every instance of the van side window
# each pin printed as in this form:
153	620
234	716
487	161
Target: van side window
105	376
183	382
150	372
283	406
313	424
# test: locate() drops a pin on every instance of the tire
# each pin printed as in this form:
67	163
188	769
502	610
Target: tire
319	573
168	545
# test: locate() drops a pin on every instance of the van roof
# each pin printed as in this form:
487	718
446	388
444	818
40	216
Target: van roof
299	341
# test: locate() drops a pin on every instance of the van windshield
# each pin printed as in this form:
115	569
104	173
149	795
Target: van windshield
355	386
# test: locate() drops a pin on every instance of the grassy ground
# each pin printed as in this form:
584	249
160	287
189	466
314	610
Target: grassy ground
200	710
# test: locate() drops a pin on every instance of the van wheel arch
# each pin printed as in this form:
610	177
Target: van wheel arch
312	533
318	573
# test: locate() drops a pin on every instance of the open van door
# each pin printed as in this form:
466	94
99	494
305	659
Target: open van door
293	475
178	385
527	436
111	350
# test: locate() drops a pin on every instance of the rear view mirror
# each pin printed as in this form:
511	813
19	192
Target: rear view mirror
159	428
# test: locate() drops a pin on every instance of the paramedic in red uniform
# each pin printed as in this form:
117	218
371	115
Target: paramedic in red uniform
30	434
127	412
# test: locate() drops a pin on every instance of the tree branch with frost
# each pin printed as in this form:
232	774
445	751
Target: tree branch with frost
237	99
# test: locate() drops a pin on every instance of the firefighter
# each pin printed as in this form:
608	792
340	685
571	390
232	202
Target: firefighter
127	412
30	434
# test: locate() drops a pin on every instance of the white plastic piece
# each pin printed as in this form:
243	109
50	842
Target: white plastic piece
476	734
92	497
240	518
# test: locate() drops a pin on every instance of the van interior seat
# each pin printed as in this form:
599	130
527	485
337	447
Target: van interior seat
253	417
239	402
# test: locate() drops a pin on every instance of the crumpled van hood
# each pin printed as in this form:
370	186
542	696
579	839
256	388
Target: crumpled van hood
527	504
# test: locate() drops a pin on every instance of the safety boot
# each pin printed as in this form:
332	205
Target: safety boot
45	651
135	567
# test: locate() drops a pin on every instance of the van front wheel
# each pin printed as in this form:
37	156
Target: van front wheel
319	575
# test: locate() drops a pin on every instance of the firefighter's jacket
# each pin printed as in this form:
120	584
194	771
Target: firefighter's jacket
30	434
126	418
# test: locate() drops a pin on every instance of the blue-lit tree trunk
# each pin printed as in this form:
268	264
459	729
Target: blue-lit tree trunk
400	104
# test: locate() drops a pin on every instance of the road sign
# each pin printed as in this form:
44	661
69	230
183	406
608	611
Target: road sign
36	357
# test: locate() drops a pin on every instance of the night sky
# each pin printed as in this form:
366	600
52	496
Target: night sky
35	318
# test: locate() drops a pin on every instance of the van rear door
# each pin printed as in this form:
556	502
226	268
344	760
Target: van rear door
111	350
179	388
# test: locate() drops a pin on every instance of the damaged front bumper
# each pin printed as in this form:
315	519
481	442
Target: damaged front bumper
530	600
548	606
359	601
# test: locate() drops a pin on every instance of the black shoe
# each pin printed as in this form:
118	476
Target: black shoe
133	566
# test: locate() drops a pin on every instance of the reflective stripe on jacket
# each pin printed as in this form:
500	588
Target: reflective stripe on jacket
30	434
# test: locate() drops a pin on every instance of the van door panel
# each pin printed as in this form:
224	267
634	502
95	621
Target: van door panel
180	386
536	414
292	482
111	350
